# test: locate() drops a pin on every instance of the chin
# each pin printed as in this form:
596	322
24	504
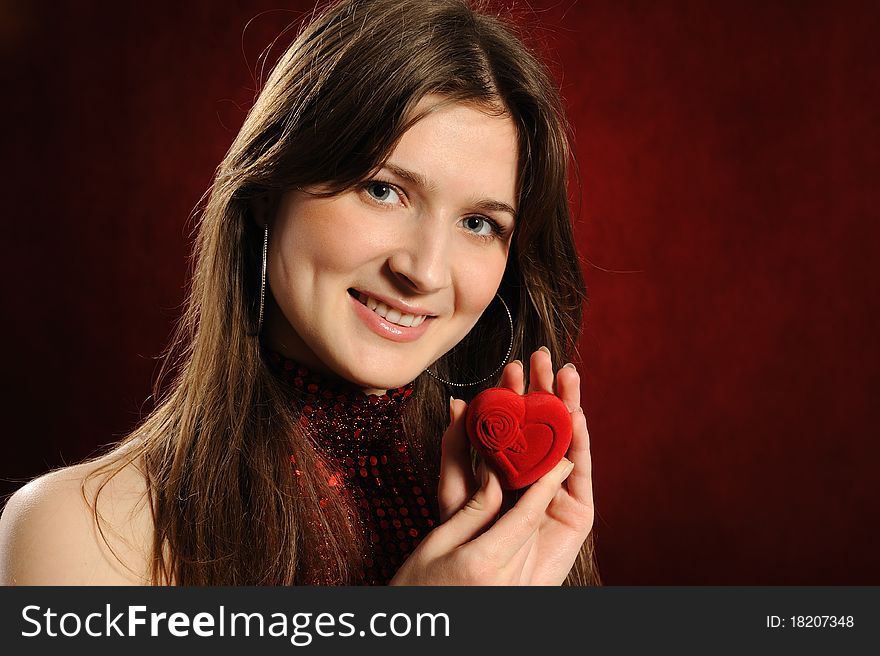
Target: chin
381	379
384	383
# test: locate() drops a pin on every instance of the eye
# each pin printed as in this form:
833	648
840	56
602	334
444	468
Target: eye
481	226
382	192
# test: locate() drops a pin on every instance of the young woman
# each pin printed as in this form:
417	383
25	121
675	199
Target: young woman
389	227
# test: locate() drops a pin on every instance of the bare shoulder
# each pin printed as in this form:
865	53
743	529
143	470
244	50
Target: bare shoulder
51	532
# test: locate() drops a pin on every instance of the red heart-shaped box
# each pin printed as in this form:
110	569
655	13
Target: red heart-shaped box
523	437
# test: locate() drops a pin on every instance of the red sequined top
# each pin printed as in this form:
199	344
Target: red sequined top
362	437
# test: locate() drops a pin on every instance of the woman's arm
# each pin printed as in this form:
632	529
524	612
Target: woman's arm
48	533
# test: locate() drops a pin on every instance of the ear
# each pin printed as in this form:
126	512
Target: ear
262	207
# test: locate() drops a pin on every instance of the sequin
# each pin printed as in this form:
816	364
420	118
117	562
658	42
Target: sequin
361	437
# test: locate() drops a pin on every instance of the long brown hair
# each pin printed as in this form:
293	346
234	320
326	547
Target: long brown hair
216	450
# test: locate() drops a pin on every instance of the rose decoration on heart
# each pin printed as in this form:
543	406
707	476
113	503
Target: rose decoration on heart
521	437
499	428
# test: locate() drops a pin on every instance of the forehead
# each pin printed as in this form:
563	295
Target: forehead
462	147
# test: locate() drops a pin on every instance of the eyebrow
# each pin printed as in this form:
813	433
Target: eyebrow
485	205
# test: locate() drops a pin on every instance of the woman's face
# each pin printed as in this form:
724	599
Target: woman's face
376	283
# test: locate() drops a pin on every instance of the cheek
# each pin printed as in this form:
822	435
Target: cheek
313	243
478	281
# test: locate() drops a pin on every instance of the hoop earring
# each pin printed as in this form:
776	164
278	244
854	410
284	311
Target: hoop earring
497	369
263	278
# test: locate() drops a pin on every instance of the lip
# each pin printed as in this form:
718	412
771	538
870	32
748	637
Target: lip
396	304
386	329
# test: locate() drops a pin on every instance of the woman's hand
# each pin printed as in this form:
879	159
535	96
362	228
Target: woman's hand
535	542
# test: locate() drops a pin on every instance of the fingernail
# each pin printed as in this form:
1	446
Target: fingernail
484	474
519	362
450	408
568	468
569	365
545	349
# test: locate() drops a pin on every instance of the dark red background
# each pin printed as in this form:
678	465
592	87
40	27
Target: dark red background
728	225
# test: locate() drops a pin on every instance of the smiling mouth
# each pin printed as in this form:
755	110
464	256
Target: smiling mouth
389	314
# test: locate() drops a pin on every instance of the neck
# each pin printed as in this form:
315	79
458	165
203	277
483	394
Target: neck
322	376
282	339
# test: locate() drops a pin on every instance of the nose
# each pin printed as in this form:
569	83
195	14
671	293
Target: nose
422	258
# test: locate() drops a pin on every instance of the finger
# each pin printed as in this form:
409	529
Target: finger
515	527
457	483
568	387
524	560
541	371
513	377
474	517
580	483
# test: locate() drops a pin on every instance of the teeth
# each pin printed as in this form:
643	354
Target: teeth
390	314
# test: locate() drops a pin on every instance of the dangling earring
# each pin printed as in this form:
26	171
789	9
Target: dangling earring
263	277
499	368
